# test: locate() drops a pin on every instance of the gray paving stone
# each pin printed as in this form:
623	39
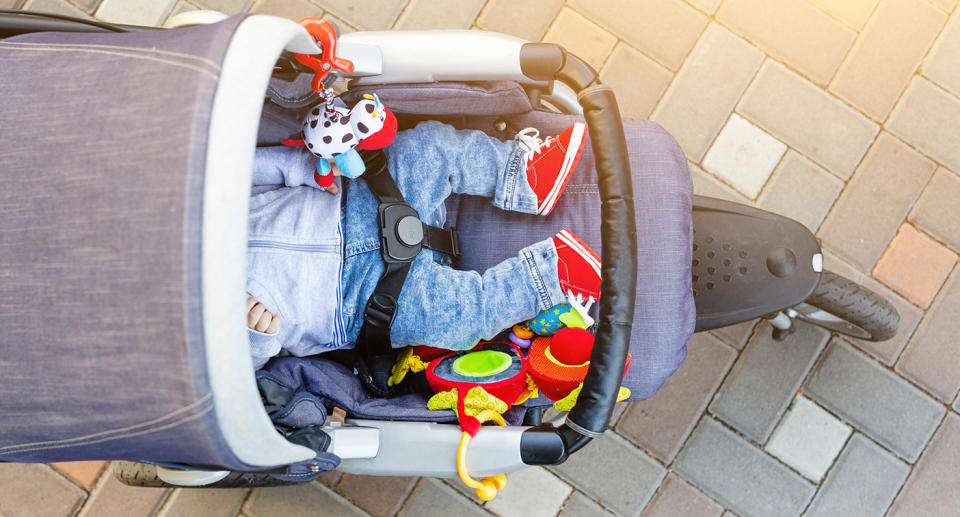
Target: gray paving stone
737	335
190	502
705	184
225	6
111	497
54	6
931	358
299	499
936	210
873	399
366	15
677	497
931	488
765	378
859	226
579	505
739	475
661	424
614	472
800	190
21	484
863	482
433	498
515	499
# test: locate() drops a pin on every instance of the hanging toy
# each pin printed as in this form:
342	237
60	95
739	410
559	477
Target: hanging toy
332	131
558	365
479	385
548	322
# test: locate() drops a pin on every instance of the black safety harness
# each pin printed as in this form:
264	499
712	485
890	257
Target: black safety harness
402	236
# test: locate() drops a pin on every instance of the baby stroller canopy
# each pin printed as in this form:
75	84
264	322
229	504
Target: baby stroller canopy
126	159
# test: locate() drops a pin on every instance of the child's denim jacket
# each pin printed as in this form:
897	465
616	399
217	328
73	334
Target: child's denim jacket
295	265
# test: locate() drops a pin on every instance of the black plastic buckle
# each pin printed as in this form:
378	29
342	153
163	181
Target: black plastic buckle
454	243
401	232
380	310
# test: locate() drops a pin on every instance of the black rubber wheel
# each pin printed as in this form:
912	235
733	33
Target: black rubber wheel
860	312
144	474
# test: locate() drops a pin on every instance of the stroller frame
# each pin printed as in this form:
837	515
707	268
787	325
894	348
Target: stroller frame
368	446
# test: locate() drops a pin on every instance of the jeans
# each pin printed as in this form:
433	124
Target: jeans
440	306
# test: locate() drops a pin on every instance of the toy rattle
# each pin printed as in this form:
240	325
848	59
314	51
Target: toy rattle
479	385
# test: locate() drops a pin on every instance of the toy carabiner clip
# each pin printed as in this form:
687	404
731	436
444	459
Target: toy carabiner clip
326	36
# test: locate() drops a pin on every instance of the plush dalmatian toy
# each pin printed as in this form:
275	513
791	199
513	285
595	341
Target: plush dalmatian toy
331	132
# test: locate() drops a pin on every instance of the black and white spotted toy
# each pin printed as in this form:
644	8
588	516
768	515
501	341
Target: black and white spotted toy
335	140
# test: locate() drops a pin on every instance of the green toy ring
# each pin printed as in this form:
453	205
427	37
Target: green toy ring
482	363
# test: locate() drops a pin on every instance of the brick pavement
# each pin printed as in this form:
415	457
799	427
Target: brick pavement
839	113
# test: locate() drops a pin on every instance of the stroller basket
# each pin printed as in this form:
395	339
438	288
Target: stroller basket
122	255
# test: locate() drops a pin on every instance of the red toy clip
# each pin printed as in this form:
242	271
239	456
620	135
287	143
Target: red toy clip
326	36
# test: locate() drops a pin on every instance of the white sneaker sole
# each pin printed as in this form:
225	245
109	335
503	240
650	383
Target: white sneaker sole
576	141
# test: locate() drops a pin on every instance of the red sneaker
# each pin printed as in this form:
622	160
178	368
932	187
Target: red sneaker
550	162
578	268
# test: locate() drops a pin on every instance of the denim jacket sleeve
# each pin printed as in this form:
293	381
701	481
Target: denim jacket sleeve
284	165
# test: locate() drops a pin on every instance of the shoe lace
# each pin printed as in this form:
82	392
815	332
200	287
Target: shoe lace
529	140
581	305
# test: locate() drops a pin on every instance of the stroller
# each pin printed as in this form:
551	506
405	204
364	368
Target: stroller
128	159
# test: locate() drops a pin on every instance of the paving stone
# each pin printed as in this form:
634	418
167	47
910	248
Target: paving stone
791	30
198	502
85	473
439	14
853	13
55	6
915	265
873	399
931	358
229	7
705	184
869	211
808	119
736	335
744	156
808	439
936	211
765	378
134	12
706	89
710	6
295	10
926	117
579	505
663	29
10	4
739	475
330	478
887	351
661	424
931	488
297	500
886	54
863	483
638	80
87	5
23	482
801	190
181	6
111	497
432	498
378	495
515	500
946	5
528	20
613	472
677	497
366	15
579	35
943	63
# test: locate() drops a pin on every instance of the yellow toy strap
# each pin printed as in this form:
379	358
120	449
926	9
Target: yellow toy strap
567	403
407	361
487	488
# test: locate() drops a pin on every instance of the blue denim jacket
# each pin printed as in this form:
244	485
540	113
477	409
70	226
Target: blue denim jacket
294	256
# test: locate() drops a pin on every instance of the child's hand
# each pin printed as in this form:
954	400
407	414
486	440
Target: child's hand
260	319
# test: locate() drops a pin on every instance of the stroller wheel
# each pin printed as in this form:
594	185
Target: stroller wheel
144	474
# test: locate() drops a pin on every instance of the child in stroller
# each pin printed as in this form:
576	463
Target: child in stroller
297	234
